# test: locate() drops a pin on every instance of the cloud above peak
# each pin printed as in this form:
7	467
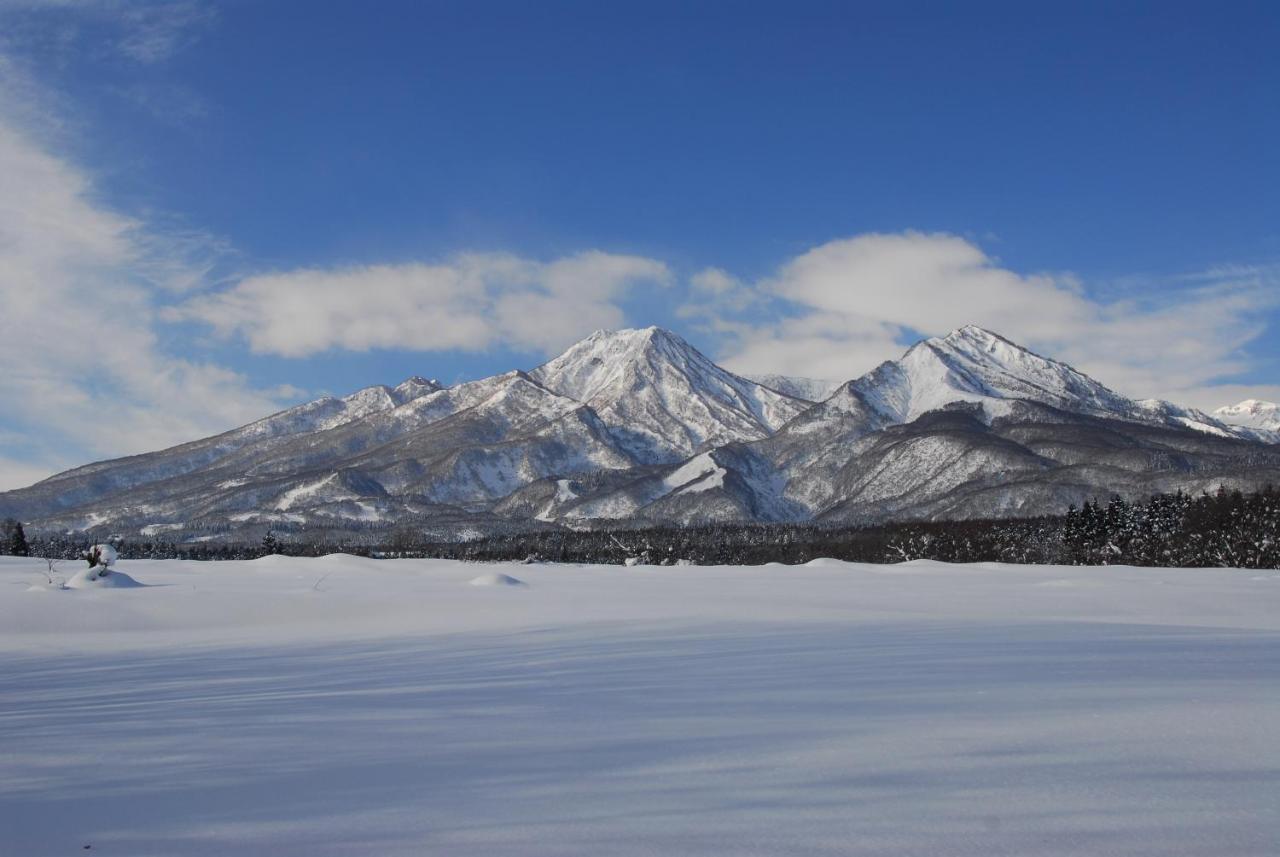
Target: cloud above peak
841	307
920	280
471	302
834	311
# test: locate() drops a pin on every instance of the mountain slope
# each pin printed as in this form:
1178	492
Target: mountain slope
451	446
809	389
953	462
93	482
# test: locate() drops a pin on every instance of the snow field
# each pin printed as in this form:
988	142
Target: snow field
349	706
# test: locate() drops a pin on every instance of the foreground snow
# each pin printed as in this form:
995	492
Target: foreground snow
347	706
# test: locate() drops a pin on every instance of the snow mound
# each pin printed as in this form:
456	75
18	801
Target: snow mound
496	579
99	578
826	562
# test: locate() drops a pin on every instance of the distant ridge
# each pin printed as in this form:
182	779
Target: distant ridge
1254	414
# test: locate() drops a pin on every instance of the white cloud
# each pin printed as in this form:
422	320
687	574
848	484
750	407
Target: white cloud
844	306
84	369
926	282
471	302
715	281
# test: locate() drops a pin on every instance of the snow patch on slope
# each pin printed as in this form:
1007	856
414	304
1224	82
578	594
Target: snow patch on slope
303	492
698	474
157	529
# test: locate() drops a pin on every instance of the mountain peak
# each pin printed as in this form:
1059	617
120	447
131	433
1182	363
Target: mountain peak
974	364
974	333
412	388
633	337
419	381
606	356
1252	414
1249	406
662	394
976	341
628	333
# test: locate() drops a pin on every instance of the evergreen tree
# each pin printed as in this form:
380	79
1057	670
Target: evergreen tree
13	540
18	541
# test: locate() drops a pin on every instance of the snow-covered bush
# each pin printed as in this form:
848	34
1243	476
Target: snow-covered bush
103	555
100	559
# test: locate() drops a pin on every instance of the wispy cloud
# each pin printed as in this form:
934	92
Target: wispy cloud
80	284
141	31
153	32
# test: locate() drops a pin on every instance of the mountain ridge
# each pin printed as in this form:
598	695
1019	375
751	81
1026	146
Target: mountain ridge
638	426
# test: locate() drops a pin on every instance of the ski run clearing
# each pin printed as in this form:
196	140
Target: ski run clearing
342	706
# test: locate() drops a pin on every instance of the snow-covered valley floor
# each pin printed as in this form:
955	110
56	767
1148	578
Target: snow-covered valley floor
349	706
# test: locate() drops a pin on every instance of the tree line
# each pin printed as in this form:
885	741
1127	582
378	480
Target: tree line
1222	529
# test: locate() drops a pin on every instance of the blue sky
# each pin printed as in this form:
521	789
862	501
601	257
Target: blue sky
252	203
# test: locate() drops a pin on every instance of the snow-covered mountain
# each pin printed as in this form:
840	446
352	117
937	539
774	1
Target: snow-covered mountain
967	424
1253	414
663	399
975	365
639	427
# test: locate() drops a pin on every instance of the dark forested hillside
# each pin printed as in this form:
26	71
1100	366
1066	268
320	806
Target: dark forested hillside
1224	529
